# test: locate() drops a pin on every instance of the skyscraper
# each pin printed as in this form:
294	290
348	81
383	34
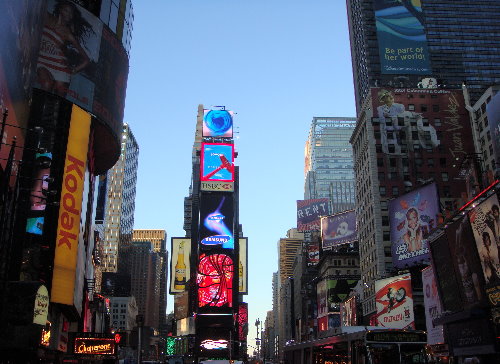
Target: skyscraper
460	43
329	166
158	239
413	128
116	203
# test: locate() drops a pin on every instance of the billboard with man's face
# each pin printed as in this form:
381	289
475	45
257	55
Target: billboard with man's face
401	37
412	217
339	229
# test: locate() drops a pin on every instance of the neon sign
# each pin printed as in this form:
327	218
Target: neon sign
95	346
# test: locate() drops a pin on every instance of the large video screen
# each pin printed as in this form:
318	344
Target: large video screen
82	60
217	123
215	281
217	162
216	220
412	217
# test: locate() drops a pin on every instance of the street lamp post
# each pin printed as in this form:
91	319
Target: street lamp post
257	340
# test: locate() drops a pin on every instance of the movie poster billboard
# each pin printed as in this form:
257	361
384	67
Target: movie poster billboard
216	221
215	281
433	308
180	264
84	62
339	229
309	213
412	217
485	222
348	312
493	114
243	266
217	162
394	300
338	290
217	123
401	37
466	262
321	293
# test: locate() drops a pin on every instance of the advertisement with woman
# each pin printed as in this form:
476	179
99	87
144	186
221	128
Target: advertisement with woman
394	301
412	217
482	220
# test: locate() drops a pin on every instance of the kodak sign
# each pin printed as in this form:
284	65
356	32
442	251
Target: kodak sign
68	224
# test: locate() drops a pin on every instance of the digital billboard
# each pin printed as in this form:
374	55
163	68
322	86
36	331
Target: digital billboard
180	264
217	123
242	321
394	300
485	222
412	119
493	113
217	162
243	267
81	60
215	281
412	217
309	213
38	194
433	308
216	220
401	37
68	223
338	229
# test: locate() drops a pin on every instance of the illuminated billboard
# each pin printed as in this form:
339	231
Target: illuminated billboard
485	222
321	294
349	312
83	61
401	37
95	346
339	229
216	220
38	194
242	321
215	281
217	123
412	217
68	223
180	264
217	162
394	300
433	308
243	267
309	213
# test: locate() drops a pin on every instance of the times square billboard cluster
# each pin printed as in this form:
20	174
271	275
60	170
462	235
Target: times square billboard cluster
209	269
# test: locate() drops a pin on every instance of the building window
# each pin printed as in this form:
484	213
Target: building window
395	191
444	176
437	122
423	108
385	220
435	108
382	190
411	107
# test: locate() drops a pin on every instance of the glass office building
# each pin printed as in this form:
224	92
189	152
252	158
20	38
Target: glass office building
329	167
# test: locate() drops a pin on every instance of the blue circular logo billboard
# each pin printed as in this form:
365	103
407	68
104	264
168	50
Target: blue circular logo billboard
218	123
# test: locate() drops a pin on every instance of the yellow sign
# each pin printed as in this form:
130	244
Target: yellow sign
180	264
68	224
95	346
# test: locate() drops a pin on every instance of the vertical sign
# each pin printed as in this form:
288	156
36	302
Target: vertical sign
401	37
243	267
394	301
433	308
180	267
68	223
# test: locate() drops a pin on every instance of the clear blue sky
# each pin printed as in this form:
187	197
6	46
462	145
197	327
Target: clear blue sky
277	64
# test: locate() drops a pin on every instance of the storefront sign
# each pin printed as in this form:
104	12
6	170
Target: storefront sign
95	346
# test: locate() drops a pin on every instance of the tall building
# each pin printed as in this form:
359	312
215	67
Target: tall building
287	249
329	166
158	238
65	116
145	271
461	43
413	128
116	203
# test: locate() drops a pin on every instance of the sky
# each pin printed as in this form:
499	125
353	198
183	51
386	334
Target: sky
276	64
